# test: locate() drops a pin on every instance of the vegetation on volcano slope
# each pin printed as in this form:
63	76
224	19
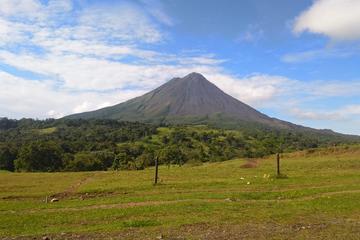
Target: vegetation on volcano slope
222	200
87	145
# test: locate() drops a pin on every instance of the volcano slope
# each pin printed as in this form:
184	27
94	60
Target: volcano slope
194	100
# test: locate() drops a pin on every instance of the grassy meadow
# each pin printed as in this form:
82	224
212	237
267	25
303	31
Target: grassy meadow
236	199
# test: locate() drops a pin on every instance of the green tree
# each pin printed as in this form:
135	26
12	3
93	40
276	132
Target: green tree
85	161
106	158
39	156
172	155
7	157
122	161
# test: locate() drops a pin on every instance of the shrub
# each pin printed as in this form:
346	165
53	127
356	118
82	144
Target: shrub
7	157
39	156
85	161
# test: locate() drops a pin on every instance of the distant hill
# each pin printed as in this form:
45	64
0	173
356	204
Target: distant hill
192	100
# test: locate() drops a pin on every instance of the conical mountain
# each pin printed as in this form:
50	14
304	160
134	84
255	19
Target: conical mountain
188	100
194	95
190	97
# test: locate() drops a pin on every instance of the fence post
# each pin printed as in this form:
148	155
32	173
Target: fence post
278	163
156	170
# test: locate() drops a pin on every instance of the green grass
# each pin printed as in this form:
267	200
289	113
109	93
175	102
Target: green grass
47	130
318	199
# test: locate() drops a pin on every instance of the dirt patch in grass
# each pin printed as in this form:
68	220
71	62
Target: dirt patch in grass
250	164
205	200
208	231
266	230
72	190
11	197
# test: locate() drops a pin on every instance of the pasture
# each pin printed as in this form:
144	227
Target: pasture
236	199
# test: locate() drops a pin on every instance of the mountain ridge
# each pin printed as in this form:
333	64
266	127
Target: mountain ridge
190	100
192	95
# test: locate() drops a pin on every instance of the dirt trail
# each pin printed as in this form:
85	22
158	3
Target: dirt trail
210	200
72	189
314	230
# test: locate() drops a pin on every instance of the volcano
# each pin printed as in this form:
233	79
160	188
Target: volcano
189	100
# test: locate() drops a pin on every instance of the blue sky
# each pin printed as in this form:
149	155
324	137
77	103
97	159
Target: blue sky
295	60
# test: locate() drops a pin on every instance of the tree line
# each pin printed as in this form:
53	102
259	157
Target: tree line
88	145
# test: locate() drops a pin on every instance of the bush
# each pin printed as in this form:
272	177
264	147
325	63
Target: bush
121	161
106	158
39	156
85	161
172	155
7	157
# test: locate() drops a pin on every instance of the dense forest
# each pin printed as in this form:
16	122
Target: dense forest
86	145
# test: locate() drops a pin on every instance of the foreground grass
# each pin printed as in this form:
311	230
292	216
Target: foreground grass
318	200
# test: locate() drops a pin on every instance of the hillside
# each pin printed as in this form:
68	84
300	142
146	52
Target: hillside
194	100
88	145
318	200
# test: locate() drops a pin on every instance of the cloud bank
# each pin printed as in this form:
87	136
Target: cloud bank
337	19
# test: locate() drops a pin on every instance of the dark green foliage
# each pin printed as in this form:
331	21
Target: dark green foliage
84	161
7	157
172	155
39	156
7	123
90	161
86	145
132	157
106	158
122	161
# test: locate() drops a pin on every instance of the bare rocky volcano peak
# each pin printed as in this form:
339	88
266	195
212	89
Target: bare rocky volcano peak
194	95
194	76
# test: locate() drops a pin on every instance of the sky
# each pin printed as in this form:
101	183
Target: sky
298	61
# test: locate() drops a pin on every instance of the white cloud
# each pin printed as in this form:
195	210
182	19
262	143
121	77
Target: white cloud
34	10
83	107
315	115
42	99
350	110
255	89
53	114
23	8
91	76
337	19
56	7
123	22
319	54
79	56
57	22
343	113
83	52
86	73
332	88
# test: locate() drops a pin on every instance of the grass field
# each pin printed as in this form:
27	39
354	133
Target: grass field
320	199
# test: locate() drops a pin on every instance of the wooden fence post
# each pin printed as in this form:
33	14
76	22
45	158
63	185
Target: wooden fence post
278	163
156	170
